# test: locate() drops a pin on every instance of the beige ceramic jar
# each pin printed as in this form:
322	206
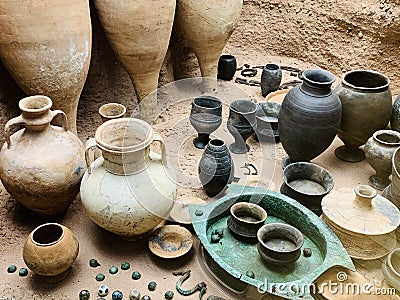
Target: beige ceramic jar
41	166
46	47
130	189
50	250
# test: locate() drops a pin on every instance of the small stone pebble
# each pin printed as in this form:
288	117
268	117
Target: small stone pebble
23	272
136	275
152	286
307	252
93	263
117	295
125	266
100	277
134	295
103	290
12	269
113	270
84	295
146	297
169	295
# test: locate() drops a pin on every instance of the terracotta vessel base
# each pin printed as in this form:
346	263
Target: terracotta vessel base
201	143
378	182
352	155
56	278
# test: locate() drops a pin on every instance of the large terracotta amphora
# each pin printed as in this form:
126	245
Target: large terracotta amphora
207	26
130	189
139	33
46	47
41	165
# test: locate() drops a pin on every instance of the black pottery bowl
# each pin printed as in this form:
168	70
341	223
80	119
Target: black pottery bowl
279	243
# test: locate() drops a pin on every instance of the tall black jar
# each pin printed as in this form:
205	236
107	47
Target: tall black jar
215	168
309	117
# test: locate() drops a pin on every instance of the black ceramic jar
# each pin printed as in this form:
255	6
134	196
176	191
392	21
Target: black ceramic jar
215	168
309	117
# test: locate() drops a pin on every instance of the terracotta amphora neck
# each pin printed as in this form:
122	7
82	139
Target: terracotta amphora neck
36	112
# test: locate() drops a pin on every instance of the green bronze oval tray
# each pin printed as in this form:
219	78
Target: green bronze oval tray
230	260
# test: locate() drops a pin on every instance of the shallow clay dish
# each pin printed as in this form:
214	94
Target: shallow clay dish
171	241
277	96
180	211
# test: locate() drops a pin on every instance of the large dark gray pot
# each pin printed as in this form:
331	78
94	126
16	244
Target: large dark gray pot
309	117
215	168
367	106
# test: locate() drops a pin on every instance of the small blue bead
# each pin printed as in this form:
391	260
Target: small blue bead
117	295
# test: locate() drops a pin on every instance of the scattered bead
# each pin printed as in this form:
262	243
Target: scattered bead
94	263
125	266
103	290
113	270
152	286
250	274
307	252
23	272
146	297
117	295
84	295
12	269
100	277
134	295
136	275
169	295
219	231
198	213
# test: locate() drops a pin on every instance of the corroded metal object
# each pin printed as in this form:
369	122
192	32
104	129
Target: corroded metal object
202	286
327	250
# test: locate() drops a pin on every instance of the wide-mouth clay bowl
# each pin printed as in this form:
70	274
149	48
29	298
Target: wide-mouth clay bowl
279	243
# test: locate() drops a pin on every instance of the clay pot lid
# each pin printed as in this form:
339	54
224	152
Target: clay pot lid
171	241
361	210
180	210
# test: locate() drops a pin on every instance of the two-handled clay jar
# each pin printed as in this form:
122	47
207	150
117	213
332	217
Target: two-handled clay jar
41	165
130	189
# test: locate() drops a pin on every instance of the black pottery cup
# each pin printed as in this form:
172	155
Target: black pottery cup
267	122
307	183
205	117
226	67
241	124
279	244
270	79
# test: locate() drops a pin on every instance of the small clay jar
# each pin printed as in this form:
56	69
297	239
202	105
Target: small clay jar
112	111
270	79
50	250
226	67
379	150
215	168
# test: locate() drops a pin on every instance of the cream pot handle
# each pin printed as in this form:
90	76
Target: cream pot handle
158	138
64	120
91	146
17	121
